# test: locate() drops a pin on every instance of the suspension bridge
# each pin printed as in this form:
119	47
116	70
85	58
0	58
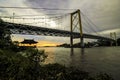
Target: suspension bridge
75	24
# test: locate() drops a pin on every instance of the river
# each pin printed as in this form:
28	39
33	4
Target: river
93	60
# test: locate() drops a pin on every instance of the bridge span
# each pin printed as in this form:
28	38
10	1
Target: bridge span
36	30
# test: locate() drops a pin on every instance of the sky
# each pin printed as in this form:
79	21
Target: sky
103	13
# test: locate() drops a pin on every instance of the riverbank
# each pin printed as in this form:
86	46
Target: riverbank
15	66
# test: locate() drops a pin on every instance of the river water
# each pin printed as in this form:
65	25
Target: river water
93	60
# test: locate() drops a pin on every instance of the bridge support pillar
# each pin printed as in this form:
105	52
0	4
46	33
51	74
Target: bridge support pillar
81	31
71	30
71	41
111	38
115	38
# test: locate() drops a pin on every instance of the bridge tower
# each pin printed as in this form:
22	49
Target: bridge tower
76	21
113	36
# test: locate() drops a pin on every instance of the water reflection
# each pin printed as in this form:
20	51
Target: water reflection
82	51
102	59
50	52
72	51
82	59
77	58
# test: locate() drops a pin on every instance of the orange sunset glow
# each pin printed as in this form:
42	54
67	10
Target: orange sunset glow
47	43
42	44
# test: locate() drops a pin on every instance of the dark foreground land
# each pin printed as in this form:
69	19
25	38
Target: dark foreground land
19	66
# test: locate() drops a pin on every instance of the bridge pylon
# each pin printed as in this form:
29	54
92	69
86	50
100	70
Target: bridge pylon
76	23
114	37
111	36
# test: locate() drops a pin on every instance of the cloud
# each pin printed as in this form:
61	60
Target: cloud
16	3
48	4
3	12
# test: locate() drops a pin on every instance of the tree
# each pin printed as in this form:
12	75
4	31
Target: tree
5	39
118	41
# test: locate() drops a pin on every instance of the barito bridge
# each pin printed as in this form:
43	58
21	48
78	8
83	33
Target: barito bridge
75	22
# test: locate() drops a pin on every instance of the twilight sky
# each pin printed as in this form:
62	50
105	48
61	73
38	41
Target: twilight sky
105	14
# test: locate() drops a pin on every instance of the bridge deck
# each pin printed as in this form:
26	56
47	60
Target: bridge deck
35	30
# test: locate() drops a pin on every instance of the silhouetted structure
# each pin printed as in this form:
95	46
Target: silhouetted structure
28	42
118	41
